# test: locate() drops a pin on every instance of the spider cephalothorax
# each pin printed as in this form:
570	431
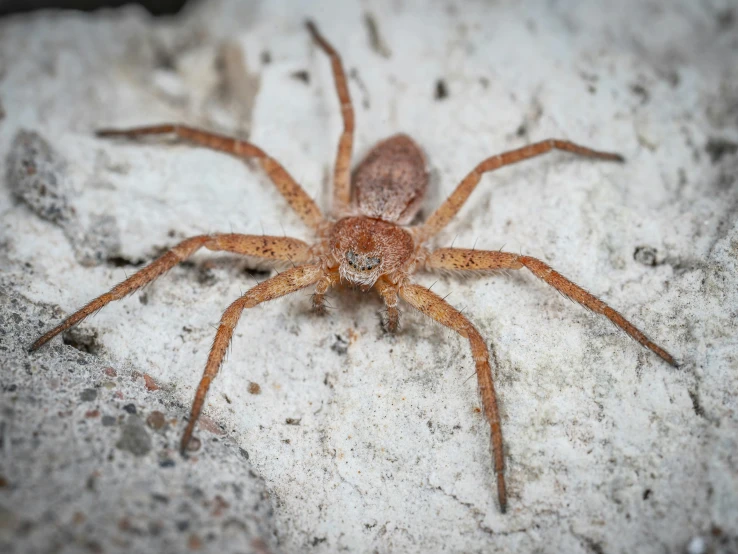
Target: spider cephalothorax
370	248
367	248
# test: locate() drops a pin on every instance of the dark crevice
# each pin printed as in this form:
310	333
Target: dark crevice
340	346
84	340
375	40
301	75
696	406
122	261
716	148
155	7
646	255
441	90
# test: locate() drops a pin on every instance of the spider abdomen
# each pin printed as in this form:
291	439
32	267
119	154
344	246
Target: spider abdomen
391	181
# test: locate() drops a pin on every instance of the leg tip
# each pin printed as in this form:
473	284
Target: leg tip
189	443
501	492
35	346
668	358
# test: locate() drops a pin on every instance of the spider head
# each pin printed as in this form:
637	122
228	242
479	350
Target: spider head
367	248
362	268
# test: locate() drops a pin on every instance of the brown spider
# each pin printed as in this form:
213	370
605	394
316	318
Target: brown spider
366	243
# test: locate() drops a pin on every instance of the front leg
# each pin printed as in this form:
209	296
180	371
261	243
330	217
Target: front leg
299	200
328	280
438	309
287	282
450	207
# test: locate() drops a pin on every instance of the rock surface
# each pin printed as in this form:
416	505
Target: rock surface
356	440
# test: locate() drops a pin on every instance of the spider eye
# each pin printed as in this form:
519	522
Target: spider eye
360	262
351	257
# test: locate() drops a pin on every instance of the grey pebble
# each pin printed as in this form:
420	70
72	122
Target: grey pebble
134	438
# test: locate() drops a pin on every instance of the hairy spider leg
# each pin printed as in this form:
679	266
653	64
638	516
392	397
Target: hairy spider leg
450	207
460	259
276	248
296	197
330	278
437	308
342	169
285	283
388	292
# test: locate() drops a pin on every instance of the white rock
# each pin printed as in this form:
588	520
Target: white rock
608	448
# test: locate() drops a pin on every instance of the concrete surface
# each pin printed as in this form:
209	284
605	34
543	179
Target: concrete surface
358	441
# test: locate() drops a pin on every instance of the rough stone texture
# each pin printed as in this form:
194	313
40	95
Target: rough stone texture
358	440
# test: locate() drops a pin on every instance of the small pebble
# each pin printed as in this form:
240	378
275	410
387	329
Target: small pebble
194	445
697	545
156	420
130	408
254	388
88	395
194	542
207	424
183	525
167	463
108	421
150	383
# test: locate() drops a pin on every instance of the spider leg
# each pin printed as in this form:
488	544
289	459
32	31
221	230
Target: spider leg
435	307
276	248
328	280
342	169
296	197
450	207
388	292
285	283
470	260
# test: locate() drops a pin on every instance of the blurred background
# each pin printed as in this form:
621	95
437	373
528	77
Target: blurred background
156	7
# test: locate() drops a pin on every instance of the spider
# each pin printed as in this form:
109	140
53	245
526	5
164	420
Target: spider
367	241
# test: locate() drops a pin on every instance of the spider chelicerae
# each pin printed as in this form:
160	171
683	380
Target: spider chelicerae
366	241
